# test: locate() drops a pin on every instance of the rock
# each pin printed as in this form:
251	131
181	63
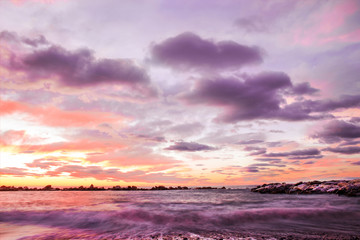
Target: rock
341	187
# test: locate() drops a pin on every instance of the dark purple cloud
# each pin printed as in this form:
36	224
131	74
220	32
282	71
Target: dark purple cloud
262	97
152	138
306	157
13	37
356	163
277	143
303	89
336	131
268	159
255	150
81	68
295	153
345	101
189	51
249	142
344	150
309	162
189	146
75	69
255	97
316	109
348	143
355	120
267	165
250	169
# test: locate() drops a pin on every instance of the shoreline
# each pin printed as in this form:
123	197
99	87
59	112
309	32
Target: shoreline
114	188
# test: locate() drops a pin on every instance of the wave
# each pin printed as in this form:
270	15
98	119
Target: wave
139	220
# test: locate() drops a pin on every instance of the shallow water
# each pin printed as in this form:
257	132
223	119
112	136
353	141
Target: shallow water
122	214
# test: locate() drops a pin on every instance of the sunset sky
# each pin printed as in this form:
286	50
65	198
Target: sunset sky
180	92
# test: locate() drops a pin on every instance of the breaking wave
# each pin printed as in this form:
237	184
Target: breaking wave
141	220
91	215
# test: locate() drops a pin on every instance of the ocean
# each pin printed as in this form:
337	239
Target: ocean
177	214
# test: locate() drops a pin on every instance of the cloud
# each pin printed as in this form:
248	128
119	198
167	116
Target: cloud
304	88
152	138
343	150
296	153
268	159
80	68
261	96
337	130
133	156
255	150
52	116
114	174
12	37
276	131
94	134
306	157
44	163
189	147
347	143
304	110
186	129
75	69
267	165
251	24
345	101
250	169
189	51
14	171
96	172
12	137
255	97
265	20
355	120
73	146
248	142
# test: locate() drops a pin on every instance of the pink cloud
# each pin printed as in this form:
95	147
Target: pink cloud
336	17
12	136
52	116
133	157
20	2
327	26
80	146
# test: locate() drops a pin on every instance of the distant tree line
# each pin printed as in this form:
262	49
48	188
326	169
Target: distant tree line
93	188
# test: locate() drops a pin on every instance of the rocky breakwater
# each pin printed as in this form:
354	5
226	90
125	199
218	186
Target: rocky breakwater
340	187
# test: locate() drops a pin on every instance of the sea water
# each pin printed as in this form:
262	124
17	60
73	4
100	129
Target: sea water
150	214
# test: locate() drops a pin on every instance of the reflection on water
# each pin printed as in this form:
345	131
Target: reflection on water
123	214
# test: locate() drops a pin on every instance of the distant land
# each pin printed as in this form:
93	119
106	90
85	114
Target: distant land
93	188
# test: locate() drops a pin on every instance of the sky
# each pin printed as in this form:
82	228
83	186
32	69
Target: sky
179	92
